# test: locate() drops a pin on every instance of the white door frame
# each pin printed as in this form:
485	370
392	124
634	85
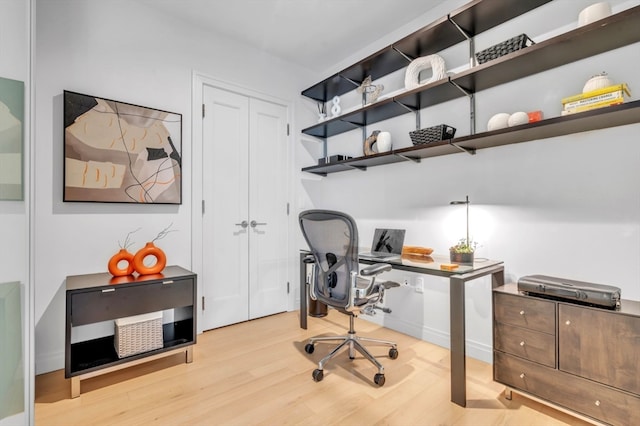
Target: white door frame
200	80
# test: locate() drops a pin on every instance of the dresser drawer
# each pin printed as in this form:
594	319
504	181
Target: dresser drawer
120	301
532	345
534	314
600	345
578	394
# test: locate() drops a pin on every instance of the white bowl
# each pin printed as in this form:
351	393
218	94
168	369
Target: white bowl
594	13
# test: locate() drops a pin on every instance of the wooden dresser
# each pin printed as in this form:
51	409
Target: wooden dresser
583	359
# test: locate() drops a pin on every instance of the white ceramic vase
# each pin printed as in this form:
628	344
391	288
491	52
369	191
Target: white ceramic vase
383	142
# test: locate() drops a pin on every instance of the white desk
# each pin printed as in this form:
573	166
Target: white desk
457	280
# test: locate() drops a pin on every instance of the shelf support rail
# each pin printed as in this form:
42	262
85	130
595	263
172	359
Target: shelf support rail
472	105
472	63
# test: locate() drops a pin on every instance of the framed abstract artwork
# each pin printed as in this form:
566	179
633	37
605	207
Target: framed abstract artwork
115	152
11	139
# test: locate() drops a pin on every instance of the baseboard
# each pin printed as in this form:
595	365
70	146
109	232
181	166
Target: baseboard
48	362
476	350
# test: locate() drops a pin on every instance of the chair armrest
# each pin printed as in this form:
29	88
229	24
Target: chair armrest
376	269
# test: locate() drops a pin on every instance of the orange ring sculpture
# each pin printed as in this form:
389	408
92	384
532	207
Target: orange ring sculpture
114	268
149	250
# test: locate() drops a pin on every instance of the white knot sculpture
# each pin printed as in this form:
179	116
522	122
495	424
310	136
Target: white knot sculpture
412	76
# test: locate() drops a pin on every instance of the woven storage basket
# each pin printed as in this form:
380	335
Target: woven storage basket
137	334
432	134
501	49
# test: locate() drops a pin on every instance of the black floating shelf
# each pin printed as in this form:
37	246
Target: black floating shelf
602	118
610	33
473	18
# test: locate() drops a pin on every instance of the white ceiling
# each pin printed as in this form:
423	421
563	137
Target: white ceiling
299	31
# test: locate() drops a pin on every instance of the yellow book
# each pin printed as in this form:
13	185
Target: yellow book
583	108
623	87
595	99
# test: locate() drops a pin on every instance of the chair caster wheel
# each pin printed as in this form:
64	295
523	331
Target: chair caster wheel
378	379
309	348
393	353
318	375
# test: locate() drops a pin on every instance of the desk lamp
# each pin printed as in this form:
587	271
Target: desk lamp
467	202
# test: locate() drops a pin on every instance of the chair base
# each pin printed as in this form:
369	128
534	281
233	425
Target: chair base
352	342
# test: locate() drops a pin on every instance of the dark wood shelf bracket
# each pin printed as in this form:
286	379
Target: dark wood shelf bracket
407	158
464	32
472	105
407	57
470	151
355	83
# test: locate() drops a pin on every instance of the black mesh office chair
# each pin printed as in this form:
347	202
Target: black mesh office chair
333	240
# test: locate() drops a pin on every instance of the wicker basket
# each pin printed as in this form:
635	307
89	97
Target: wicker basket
506	47
432	134
137	334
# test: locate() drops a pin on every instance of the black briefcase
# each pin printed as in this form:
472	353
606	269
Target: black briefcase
599	295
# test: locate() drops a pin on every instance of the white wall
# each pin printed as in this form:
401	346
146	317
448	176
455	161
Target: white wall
566	206
125	51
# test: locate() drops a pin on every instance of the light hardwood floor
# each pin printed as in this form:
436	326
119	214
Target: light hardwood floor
257	373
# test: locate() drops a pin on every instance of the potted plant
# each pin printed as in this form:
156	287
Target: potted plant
463	251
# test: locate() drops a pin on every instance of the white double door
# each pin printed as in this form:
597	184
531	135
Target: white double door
245	192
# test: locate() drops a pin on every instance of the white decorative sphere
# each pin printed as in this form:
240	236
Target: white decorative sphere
597	82
498	121
518	118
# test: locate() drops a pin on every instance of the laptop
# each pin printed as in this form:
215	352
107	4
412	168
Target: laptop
387	245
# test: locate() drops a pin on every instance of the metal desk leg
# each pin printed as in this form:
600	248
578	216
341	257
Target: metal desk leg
458	362
303	291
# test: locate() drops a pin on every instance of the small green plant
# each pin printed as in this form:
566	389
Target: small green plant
464	246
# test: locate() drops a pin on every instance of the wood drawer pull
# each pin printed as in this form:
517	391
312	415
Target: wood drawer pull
167	282
108	290
522	343
598	403
521	312
522	375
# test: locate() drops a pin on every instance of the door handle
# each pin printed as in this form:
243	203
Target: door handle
254	223
244	224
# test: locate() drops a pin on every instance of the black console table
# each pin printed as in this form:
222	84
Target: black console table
95	298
